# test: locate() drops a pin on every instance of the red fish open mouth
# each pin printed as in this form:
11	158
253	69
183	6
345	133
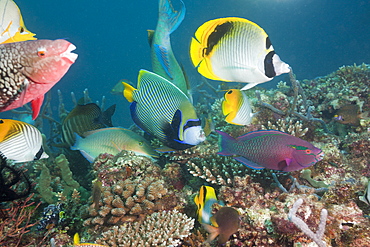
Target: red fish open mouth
70	55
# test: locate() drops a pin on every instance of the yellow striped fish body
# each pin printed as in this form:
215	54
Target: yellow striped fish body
235	49
20	141
237	107
204	201
12	28
164	111
84	118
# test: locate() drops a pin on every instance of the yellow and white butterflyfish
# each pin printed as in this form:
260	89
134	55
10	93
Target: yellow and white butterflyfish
235	49
161	109
237	107
12	28
20	141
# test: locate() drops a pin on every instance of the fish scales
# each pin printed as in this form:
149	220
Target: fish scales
12	81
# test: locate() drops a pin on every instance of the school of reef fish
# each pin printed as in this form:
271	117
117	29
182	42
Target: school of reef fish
240	165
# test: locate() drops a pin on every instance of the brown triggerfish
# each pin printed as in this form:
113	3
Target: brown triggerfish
29	69
225	223
271	149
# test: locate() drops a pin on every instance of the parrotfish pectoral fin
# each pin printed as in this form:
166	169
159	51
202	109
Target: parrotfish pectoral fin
223	143
172	17
248	163
249	86
162	56
36	106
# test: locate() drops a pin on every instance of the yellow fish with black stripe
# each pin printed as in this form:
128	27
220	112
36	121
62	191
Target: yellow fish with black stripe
204	201
235	49
12	28
20	141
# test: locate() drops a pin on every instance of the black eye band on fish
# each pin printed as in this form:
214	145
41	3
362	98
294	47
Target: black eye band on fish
192	123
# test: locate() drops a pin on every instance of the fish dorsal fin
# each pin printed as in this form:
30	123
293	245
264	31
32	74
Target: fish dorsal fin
128	91
162	55
259	133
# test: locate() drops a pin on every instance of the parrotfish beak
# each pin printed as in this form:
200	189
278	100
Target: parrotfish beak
69	56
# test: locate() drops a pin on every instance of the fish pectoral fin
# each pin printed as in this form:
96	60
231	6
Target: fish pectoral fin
162	55
213	232
248	163
36	106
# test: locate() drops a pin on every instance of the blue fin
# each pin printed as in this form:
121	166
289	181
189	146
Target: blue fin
162	56
173	18
248	163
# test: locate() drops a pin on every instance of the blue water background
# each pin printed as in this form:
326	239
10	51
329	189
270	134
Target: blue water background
315	37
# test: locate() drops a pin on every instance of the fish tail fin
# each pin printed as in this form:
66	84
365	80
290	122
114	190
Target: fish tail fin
196	52
128	91
224	141
172	17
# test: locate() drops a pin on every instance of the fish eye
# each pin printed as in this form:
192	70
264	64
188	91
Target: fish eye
230	92
21	29
308	151
41	52
141	143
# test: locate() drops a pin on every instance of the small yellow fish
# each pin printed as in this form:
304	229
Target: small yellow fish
237	108
204	201
12	28
76	242
234	49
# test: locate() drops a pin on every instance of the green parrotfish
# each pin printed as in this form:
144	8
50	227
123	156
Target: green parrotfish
112	140
164	62
271	149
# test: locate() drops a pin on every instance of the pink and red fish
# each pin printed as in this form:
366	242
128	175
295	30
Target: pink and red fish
29	69
270	149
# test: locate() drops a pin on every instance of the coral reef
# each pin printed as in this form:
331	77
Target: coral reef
132	187
165	228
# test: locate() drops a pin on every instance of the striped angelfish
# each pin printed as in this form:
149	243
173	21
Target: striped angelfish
164	111
20	141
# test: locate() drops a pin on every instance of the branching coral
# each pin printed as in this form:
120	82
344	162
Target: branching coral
290	127
166	228
16	221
